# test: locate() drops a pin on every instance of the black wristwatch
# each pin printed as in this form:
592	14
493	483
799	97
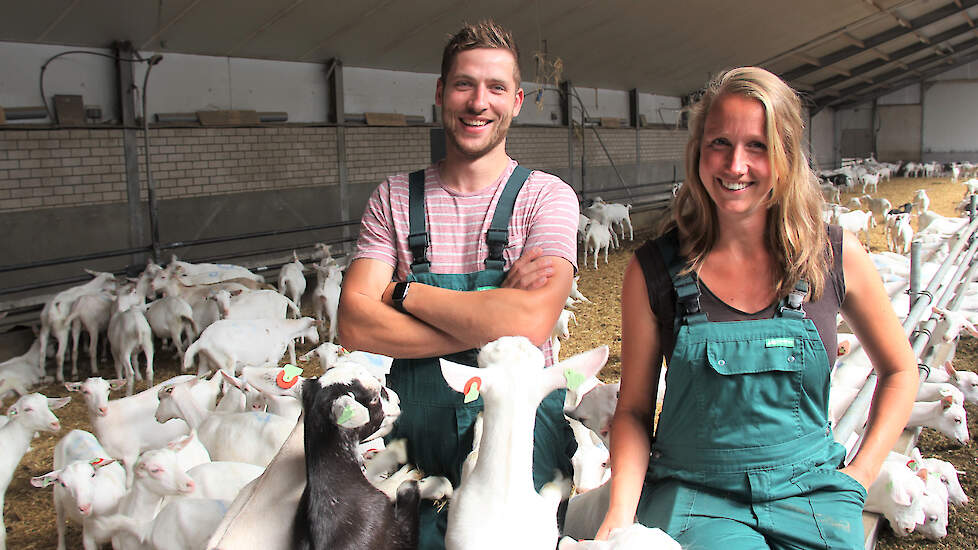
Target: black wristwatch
399	294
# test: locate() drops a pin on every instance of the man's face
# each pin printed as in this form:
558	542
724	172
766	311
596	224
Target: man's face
479	98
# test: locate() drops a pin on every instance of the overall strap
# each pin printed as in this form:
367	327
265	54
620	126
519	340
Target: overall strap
418	234
498	235
791	304
687	291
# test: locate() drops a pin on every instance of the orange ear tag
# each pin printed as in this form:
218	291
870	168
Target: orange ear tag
288	376
471	389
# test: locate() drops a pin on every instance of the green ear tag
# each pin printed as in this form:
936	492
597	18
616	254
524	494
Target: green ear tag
346	416
574	379
471	389
291	371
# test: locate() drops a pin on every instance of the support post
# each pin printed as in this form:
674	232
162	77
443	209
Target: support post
567	119
126	94
337	116
636	122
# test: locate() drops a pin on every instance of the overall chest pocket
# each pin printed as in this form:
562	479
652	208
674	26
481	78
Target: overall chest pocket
749	391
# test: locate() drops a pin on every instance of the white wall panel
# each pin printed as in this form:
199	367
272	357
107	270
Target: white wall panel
90	76
822	139
904	96
380	91
951	117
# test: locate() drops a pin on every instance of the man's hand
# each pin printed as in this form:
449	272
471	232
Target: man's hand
530	272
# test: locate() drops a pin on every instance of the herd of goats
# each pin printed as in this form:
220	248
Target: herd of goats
173	466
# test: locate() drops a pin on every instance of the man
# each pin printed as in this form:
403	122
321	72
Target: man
476	221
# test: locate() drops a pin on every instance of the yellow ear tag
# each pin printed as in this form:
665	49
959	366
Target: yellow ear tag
471	389
345	416
574	379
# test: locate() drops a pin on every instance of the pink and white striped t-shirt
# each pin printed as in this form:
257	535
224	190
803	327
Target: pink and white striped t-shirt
545	215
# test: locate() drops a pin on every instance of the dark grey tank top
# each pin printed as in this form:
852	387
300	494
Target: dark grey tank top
662	298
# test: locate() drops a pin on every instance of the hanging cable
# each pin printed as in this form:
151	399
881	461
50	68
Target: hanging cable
44	101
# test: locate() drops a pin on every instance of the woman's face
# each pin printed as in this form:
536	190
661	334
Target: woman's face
734	165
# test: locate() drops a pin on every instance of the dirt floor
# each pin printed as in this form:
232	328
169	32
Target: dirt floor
29	514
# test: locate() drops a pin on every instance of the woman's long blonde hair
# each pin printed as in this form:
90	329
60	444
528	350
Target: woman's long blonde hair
795	232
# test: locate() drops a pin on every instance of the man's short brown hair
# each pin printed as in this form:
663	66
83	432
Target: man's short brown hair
484	34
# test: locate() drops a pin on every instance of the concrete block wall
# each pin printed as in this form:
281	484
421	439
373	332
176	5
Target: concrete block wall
198	162
374	153
539	148
60	168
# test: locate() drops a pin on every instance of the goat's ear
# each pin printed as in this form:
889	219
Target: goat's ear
901	496
230	378
45	480
57	402
102	462
946	402
573	398
575	374
349	413
116	383
922	474
73	386
915	454
949	369
180	444
457	376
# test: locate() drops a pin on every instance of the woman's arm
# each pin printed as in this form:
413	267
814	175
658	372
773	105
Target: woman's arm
641	360
868	312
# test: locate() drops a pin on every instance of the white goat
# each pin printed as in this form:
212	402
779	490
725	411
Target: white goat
126	426
54	316
253	304
28	415
598	237
87	485
249	437
170	318
19	374
944	416
91	311
230	345
326	295
291	281
495	504
897	493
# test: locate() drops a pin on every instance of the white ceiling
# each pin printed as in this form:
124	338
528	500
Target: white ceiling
659	47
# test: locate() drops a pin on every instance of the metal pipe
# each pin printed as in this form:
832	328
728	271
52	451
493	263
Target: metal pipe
856	412
73	259
25	113
154	218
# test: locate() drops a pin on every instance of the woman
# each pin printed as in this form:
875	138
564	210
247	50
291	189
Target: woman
743	453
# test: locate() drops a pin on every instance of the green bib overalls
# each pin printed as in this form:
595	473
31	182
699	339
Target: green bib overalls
743	455
434	419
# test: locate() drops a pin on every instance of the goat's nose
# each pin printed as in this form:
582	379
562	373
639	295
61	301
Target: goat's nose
55	426
189	486
85	509
102	411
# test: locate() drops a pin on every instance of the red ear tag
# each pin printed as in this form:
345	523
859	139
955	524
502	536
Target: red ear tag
280	380
97	461
912	464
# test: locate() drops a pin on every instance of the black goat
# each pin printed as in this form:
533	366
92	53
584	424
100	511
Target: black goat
904	208
339	508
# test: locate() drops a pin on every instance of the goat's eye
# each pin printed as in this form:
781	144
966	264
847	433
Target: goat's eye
944	479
